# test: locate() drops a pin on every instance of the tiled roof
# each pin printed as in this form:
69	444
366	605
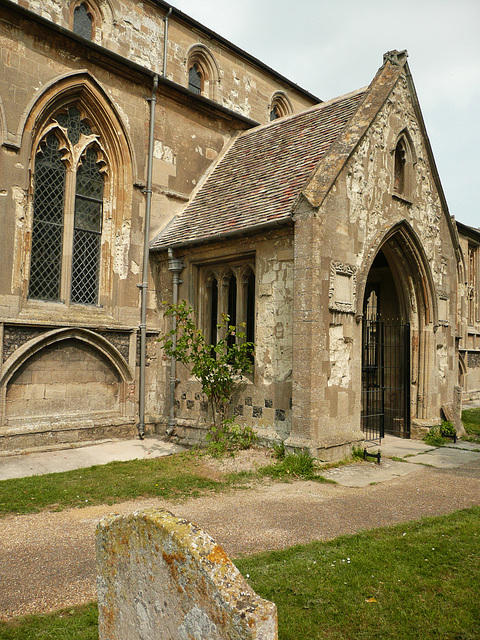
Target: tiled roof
261	175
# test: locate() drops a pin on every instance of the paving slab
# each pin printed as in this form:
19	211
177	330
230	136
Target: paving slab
31	464
363	474
445	458
461	444
401	457
400	448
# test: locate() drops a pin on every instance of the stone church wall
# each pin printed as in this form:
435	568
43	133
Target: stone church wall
338	244
136	31
35	64
264	398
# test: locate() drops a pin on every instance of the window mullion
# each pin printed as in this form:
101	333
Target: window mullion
68	235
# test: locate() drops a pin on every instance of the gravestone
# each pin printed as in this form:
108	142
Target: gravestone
163	578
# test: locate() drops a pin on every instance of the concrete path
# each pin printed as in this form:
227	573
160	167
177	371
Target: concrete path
399	457
88	455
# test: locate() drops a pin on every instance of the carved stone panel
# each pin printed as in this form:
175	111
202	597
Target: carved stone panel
343	287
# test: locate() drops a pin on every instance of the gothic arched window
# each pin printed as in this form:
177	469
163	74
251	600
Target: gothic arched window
400	162
403	167
82	21
195	79
67	212
203	71
279	106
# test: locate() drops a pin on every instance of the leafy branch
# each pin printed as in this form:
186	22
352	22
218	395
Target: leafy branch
218	367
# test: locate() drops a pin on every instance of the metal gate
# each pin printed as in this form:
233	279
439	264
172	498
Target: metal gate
385	380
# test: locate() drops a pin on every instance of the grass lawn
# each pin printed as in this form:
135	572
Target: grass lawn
471	422
415	581
172	477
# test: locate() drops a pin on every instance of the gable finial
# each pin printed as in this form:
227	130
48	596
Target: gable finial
395	57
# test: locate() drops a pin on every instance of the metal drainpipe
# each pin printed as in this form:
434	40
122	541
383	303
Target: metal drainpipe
144	285
165	42
175	265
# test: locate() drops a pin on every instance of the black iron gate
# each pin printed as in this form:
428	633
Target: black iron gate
385	380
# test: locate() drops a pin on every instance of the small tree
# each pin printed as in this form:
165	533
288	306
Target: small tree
218	367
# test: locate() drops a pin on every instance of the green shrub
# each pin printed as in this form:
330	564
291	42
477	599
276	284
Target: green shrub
357	453
299	464
228	438
279	451
447	429
434	437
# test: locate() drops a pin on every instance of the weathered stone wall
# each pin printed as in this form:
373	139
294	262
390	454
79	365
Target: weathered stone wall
468	327
334	251
67	378
264	398
136	31
35	67
162	577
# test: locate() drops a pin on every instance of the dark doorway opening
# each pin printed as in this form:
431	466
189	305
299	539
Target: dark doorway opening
385	357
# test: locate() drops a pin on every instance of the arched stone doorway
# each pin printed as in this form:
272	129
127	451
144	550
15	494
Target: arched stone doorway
397	326
385	356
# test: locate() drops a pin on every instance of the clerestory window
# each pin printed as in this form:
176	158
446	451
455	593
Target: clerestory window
195	79
279	106
203	71
82	21
67	212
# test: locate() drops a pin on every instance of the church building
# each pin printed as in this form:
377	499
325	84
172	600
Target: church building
145	158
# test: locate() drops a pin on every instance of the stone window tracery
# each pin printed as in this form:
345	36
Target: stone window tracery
68	186
228	290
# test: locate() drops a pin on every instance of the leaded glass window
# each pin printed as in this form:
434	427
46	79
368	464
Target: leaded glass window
87	231
82	22
47	233
73	124
227	288
66	243
195	79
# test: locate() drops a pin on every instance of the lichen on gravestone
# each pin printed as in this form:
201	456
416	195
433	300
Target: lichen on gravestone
160	576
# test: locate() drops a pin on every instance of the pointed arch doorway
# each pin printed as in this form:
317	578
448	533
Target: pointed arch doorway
386	354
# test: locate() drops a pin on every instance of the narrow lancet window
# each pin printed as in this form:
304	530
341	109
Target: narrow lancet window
400	166
195	79
82	22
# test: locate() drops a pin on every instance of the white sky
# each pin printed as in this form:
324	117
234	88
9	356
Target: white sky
331	47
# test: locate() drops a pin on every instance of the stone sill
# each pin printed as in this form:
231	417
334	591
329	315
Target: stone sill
402	198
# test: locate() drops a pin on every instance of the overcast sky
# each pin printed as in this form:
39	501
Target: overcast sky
331	47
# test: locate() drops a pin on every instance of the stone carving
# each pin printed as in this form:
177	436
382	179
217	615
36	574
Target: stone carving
15	336
343	287
119	339
443	309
